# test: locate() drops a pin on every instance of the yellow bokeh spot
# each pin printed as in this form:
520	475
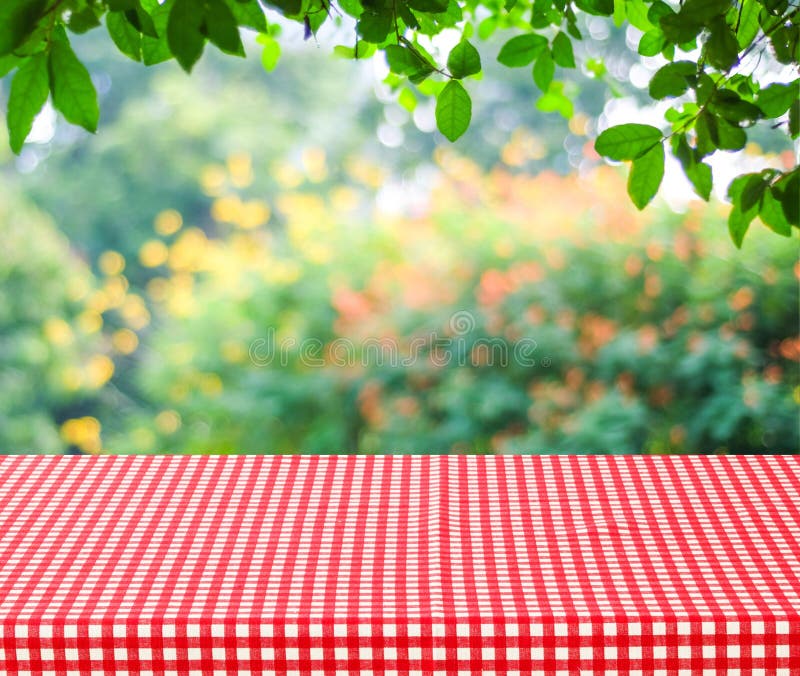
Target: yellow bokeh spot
253	214
368	173
286	175
143	439
71	378
753	148
168	422
98	302
181	353
77	288
504	248
98	370
521	148
318	253
134	312
282	272
212	180
233	352
83	433
578	124
240	167
111	263
157	289
344	199
181	304
210	384
178	392
168	222
189	250
314	164
226	209
125	341
153	253
57	331
90	321
115	289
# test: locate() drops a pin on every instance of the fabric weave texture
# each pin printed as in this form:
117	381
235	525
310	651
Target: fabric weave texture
400	565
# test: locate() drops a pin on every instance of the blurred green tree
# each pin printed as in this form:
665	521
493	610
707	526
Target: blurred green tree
52	356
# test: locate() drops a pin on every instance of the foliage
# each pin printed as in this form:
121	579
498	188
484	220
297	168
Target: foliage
52	356
727	65
269	322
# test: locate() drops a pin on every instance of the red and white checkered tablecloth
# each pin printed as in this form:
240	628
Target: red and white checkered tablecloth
400	565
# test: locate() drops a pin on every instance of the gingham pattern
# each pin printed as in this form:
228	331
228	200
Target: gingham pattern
398	564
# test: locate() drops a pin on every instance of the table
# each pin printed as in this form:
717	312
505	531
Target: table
400	564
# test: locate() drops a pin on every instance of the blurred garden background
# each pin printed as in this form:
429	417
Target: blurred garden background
190	281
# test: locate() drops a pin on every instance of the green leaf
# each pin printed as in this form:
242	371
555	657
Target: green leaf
430	6
729	136
184	32
596	7
739	218
721	49
405	61
121	5
698	173
790	197
521	50
487	27
8	63
748	25
784	43
645	177
554	100
287	7
738	223
29	90
453	110
636	13
703	11
672	80
270	53
776	99
627	141
248	13
562	51
221	28
707	133
156	50
73	93
374	27
127	39
794	119
656	11
141	21
543	70
351	7
678	30
652	43
407	100
83	21
701	178
753	191
17	20
361	50
727	104
463	60
773	216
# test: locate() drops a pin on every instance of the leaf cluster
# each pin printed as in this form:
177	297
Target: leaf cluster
713	53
